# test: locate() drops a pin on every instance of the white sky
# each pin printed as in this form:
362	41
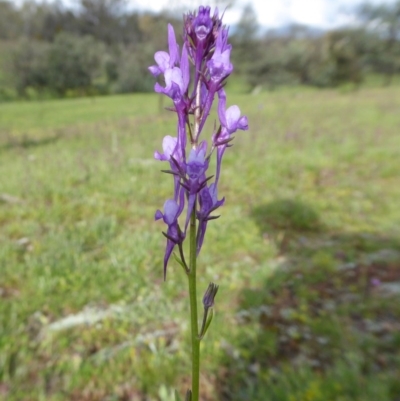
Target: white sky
275	13
271	13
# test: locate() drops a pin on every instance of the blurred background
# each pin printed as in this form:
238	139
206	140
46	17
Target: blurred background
307	248
81	47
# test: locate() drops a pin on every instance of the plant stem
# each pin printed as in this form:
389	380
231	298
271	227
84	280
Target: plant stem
197	115
193	310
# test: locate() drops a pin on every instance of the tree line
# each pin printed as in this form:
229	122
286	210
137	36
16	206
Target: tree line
103	46
95	46
303	55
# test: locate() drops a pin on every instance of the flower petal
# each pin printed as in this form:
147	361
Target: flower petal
185	68
158	215
155	70
232	118
169	145
171	209
222	107
243	123
173	47
163	60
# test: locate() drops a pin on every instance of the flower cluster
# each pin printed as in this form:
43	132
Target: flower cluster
192	78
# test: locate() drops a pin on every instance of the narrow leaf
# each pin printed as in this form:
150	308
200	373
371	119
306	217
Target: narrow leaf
177	397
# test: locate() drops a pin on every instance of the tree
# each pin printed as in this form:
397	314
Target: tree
74	62
10	21
345	53
244	40
384	20
103	19
28	66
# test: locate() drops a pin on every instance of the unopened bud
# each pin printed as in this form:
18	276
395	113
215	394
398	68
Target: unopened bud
209	296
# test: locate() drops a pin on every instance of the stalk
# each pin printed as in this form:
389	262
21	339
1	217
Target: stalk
194	323
193	310
207	49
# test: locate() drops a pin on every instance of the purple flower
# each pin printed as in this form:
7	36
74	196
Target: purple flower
230	118
164	60
174	235
200	33
205	49
176	78
197	164
202	24
209	202
219	65
200	30
375	282
170	149
196	167
174	84
173	154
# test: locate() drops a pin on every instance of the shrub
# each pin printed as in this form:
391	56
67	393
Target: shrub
28	66
74	62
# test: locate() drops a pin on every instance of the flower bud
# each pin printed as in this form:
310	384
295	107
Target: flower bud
209	296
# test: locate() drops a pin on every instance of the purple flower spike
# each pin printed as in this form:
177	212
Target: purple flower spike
192	78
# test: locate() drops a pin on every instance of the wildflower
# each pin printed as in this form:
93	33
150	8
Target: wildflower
166	60
195	170
231	120
375	282
174	234
197	163
219	65
206	48
199	36
208	203
173	154
169	147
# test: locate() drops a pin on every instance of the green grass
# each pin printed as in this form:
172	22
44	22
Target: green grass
311	217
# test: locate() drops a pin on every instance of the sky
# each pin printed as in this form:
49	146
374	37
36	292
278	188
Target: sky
275	13
324	14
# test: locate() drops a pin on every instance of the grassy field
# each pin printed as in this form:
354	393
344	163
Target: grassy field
306	252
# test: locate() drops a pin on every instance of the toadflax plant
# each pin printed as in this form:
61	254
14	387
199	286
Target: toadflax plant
193	78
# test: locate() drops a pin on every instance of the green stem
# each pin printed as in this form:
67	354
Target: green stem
193	310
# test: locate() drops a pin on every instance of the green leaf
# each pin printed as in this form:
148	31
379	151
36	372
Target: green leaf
180	262
208	322
177	397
